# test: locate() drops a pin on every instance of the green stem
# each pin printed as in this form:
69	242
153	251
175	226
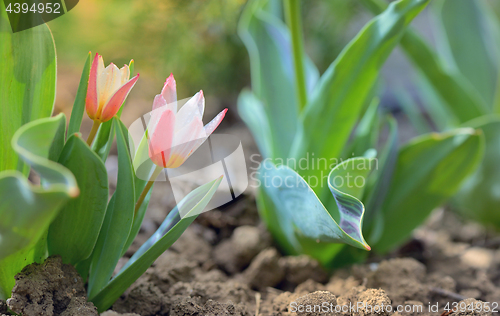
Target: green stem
293	19
146	189
93	132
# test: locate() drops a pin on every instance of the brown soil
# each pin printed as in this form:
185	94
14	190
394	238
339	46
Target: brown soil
48	289
227	264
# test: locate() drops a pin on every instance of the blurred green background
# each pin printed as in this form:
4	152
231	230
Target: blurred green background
196	40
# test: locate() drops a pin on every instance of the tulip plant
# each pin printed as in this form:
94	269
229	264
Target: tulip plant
460	87
328	180
69	213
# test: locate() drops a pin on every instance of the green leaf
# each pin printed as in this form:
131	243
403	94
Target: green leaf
343	90
412	110
298	218
78	110
171	229
103	140
27	83
144	167
379	183
456	93
74	232
268	42
366	133
119	217
27	210
251	111
429	170
479	196
467	45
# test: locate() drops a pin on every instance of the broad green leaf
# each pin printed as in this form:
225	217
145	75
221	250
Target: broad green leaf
429	170
412	110
440	114
268	42
479	196
27	210
119	217
297	217
366	133
27	83
74	232
466	43
171	229
78	110
147	170
251	111
104	140
343	90
379	183
458	95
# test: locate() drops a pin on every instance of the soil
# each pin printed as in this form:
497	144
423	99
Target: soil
227	264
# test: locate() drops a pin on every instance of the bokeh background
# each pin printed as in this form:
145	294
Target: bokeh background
197	41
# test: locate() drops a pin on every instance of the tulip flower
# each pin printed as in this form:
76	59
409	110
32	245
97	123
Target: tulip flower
173	136
107	89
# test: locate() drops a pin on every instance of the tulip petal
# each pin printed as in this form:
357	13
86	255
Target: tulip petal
210	127
116	101
186	141
193	108
125	74
91	101
159	106
169	91
160	142
108	82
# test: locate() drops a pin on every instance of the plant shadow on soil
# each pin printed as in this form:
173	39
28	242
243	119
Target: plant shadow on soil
226	264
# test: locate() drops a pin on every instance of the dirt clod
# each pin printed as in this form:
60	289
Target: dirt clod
298	269
361	301
265	270
235	253
49	289
401	278
3	307
314	304
113	313
79	306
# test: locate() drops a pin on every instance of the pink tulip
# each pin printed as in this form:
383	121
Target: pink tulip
174	136
108	87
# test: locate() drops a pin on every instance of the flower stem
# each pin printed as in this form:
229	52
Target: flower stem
293	19
146	189
93	132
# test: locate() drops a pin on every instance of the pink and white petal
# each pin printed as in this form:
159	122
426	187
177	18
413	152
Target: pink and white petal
91	100
116	101
186	142
160	142
109	81
190	110
169	91
159	106
125	74
210	127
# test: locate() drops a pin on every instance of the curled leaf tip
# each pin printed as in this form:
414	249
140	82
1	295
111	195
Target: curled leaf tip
74	192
